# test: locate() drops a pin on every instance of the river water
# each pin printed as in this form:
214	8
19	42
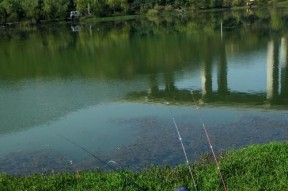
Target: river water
113	88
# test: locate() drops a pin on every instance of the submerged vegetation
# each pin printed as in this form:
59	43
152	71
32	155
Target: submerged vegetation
37	10
257	167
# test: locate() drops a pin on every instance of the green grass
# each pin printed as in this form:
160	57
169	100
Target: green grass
257	167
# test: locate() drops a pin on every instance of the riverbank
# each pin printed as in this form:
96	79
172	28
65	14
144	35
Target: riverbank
155	11
256	167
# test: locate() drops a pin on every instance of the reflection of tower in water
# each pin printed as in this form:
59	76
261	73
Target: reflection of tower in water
206	78
206	74
277	73
276	55
272	69
284	71
276	79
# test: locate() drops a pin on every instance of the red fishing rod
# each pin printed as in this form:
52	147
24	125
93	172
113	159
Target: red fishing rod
209	141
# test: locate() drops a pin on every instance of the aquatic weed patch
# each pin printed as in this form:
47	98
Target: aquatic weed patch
256	167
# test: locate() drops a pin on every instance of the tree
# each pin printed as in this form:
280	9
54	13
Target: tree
97	7
124	6
227	3
238	2
12	10
218	3
71	5
3	14
55	9
30	9
118	5
101	8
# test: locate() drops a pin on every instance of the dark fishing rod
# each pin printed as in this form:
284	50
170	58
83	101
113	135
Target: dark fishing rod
100	160
184	151
209	141
85	150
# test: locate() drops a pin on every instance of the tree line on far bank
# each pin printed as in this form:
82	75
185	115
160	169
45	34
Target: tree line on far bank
37	10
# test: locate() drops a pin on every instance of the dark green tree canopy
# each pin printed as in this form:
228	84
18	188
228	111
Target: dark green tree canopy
36	10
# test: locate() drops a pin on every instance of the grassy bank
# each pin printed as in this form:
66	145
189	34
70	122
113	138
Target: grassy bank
257	167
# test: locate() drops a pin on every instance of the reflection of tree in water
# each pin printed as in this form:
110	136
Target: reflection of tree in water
74	39
125	49
214	51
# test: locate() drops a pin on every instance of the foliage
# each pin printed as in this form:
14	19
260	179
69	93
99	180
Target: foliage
36	10
33	10
238	2
124	36
13	10
257	167
3	13
95	7
55	9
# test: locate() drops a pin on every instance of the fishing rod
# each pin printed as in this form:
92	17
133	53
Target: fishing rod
184	150
100	160
85	150
209	141
111	167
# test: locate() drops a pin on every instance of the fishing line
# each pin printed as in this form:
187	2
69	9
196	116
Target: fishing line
102	161
209	141
85	150
184	150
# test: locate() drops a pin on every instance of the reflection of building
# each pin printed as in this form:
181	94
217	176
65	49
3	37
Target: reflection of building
206	79
277	90
206	75
272	70
276	75
75	28
284	69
